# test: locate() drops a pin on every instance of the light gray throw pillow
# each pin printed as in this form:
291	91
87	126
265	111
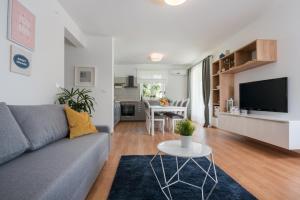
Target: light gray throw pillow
12	141
42	124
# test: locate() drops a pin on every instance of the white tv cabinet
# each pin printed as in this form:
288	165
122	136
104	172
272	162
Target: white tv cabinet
276	131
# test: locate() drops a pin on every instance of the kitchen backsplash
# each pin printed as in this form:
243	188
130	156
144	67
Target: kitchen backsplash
126	94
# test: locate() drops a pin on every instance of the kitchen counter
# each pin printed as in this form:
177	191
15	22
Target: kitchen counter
128	100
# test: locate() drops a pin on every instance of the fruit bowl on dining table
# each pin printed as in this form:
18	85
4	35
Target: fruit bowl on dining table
164	102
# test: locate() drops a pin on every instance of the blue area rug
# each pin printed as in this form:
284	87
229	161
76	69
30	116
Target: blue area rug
135	180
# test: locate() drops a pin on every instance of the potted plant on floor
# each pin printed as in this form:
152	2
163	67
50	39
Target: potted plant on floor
185	129
77	99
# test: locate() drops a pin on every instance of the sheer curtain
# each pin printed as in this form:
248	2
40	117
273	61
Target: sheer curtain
196	94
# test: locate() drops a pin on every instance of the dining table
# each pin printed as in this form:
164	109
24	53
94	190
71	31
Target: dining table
159	109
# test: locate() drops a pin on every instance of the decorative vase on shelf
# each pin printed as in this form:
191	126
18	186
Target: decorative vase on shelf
222	55
229	104
185	129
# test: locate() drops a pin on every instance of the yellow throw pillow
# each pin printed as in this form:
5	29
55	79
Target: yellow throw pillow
79	123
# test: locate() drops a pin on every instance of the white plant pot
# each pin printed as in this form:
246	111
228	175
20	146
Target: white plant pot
186	141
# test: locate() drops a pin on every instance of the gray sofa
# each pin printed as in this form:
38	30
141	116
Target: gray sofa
39	162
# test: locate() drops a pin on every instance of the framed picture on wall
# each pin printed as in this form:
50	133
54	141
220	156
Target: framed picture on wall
21	25
20	61
85	76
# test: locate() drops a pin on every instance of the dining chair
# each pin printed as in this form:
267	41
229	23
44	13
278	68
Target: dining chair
169	114
174	103
157	118
176	117
179	103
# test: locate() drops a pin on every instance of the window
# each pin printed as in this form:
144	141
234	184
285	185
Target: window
152	83
152	90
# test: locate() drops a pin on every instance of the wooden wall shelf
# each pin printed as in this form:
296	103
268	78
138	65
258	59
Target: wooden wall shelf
248	65
255	54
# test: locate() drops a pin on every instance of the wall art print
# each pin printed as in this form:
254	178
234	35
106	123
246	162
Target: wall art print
21	25
85	76
20	61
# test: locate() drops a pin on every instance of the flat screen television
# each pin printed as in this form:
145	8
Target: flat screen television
266	95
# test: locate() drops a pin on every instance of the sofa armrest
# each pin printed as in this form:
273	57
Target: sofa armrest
104	129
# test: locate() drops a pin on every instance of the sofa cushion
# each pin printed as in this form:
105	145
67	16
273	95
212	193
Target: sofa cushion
41	124
64	170
80	123
12	141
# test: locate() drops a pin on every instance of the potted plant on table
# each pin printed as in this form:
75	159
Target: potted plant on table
185	129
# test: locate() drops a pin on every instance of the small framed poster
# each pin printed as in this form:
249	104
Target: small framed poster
21	25
85	76
20	61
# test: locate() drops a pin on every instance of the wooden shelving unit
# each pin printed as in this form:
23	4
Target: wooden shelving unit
246	66
255	54
216	71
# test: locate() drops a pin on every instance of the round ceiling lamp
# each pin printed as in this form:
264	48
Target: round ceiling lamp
174	2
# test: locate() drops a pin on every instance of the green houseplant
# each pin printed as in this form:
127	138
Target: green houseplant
185	129
77	99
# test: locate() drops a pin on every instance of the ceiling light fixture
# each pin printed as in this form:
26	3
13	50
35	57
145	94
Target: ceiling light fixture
156	57
174	2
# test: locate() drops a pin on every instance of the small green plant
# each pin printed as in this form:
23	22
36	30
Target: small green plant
185	128
77	99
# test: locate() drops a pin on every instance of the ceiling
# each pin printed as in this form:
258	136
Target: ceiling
182	33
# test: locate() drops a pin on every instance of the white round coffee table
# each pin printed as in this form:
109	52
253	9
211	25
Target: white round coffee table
173	148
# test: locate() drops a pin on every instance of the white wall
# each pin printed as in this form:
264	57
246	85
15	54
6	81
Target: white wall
47	58
176	88
99	53
176	85
282	23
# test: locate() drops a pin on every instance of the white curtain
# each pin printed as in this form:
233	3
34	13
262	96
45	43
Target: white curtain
196	94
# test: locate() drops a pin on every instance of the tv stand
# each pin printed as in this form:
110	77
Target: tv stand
255	54
284	133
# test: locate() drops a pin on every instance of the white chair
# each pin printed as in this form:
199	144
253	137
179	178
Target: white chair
174	103
176	117
157	118
179	103
167	114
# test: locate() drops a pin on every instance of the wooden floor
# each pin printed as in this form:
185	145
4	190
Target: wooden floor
268	173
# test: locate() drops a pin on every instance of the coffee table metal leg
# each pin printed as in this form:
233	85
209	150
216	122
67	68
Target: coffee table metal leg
178	178
165	179
207	175
214	166
178	169
162	188
215	174
204	181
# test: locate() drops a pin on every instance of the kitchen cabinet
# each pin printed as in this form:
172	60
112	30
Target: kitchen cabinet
140	113
117	112
132	111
